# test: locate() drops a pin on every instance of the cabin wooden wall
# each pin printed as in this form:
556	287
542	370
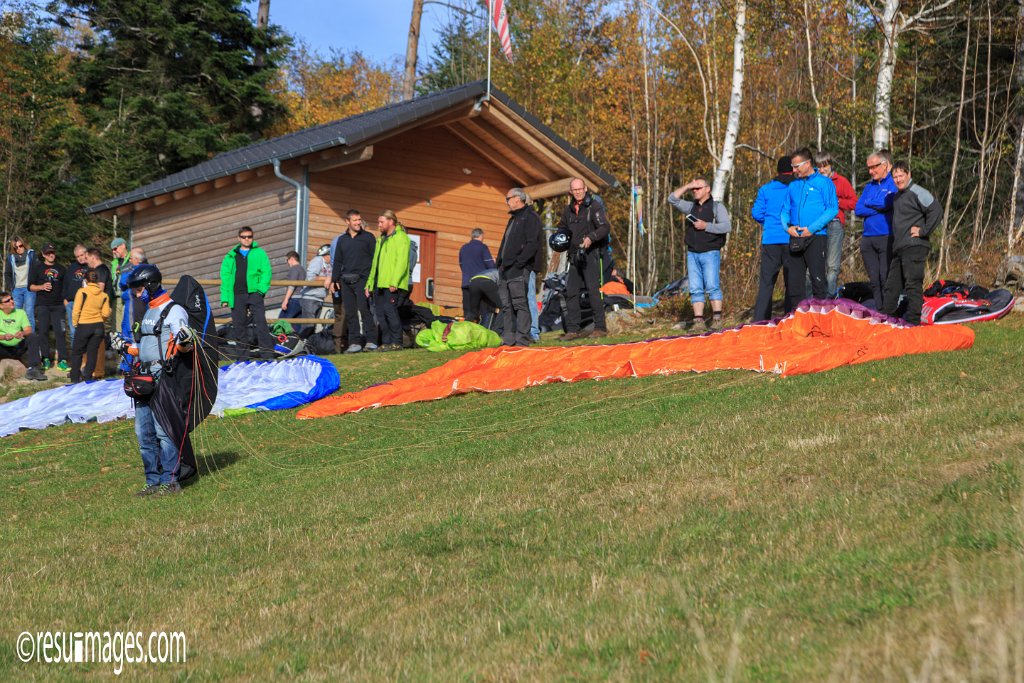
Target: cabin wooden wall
420	175
191	235
430	178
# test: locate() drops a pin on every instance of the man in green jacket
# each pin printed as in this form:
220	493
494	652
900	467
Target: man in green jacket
389	279
244	281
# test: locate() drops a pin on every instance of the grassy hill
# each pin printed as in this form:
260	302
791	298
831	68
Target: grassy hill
864	523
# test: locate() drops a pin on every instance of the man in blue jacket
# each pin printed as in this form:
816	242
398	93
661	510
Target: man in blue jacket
767	211
474	258
810	205
875	207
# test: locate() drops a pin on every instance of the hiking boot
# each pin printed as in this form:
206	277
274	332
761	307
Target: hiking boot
715	324
354	348
148	490
370	346
63	365
599	333
169	489
36	373
569	336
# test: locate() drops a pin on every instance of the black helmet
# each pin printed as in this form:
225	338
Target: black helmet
145	275
559	241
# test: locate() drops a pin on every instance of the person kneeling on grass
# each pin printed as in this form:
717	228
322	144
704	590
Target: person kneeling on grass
164	331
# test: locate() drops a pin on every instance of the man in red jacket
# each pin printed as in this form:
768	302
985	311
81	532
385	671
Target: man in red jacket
847	201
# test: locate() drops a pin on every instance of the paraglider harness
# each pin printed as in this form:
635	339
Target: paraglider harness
139	381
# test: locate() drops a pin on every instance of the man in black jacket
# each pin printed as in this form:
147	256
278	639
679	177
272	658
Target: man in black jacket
353	257
915	213
586	221
524	235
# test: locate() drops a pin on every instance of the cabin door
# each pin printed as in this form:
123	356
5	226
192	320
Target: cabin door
422	279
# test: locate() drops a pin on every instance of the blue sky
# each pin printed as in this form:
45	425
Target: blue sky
377	28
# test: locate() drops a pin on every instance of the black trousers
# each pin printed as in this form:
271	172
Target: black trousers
244	305
589	277
812	259
906	274
483	300
773	258
47	318
387	302
359	320
512	292
87	343
26	350
877	253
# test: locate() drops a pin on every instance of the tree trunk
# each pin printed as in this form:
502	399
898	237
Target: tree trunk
262	21
409	82
1016	230
886	69
946	237
732	128
810	71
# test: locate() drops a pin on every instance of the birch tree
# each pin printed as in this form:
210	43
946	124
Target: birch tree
732	126
893	23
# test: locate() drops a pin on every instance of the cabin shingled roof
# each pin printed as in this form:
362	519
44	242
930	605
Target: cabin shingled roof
348	132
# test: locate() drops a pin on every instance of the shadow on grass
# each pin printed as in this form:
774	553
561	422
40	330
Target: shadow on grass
216	462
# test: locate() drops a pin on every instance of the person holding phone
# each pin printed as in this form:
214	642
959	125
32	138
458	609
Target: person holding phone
707	224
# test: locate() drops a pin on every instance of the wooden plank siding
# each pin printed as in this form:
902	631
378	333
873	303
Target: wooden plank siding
192	235
420	176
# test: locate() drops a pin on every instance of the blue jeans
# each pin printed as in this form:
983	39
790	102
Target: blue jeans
68	307
531	301
159	454
26	301
702	274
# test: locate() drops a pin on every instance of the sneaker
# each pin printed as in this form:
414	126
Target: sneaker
354	348
370	346
169	489
148	490
46	364
599	333
36	373
569	336
63	365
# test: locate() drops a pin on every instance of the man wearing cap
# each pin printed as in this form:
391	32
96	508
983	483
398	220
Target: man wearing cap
47	281
118	265
244	281
767	211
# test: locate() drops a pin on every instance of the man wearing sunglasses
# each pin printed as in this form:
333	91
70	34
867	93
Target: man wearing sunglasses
244	281
875	208
16	338
707	224
810	206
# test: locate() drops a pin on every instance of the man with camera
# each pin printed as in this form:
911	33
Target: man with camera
586	222
707	224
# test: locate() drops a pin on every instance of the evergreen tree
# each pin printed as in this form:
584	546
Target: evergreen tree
166	85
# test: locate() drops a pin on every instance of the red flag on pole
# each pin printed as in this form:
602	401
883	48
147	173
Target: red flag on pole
500	18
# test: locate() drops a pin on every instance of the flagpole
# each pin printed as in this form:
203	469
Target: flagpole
490	30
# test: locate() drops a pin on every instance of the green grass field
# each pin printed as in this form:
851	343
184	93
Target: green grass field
861	524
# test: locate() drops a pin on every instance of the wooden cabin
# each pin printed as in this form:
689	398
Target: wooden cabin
443	162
